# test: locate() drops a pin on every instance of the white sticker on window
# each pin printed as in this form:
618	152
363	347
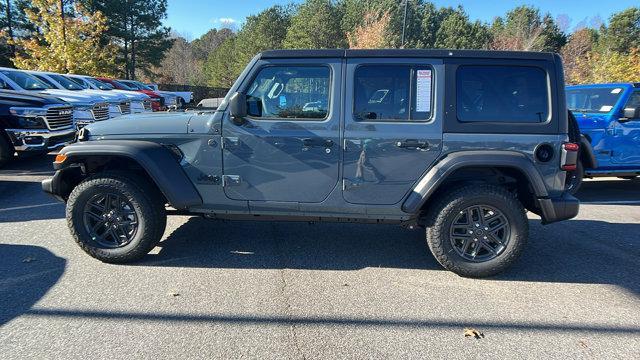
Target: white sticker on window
606	108
616	91
423	91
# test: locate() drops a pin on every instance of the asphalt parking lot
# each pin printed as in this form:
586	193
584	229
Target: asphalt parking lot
300	291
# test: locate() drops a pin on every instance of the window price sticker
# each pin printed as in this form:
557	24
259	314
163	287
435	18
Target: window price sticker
423	91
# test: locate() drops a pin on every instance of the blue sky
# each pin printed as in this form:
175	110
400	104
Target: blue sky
195	17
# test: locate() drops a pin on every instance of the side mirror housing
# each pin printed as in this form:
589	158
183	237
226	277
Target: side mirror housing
238	107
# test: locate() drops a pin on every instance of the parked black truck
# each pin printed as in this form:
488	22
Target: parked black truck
33	123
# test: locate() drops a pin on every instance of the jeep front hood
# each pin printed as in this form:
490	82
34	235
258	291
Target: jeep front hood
588	121
138	125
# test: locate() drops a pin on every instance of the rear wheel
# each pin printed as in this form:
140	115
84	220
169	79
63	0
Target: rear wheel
115	217
477	230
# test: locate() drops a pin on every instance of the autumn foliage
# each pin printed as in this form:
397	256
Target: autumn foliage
372	33
70	44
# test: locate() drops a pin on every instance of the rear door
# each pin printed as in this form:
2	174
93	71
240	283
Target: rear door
393	126
626	151
288	147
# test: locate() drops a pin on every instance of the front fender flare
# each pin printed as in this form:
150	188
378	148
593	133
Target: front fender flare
155	159
454	161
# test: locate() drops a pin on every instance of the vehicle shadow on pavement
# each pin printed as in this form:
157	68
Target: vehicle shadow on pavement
581	251
610	192
21	195
26	275
576	251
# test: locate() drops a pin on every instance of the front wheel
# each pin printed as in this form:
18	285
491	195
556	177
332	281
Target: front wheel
477	230
116	218
6	150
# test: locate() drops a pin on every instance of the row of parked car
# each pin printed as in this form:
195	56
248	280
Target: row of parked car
41	111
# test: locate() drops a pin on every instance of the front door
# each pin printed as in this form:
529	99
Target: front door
626	151
288	147
393	127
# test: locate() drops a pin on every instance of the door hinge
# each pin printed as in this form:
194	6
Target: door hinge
231	180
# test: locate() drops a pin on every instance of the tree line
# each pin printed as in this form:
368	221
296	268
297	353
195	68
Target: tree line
127	38
123	38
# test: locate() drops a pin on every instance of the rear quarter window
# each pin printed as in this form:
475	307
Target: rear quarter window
502	94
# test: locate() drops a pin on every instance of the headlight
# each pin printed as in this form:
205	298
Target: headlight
29	118
27	112
31	122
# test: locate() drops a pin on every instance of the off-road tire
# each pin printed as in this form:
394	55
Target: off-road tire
448	206
6	150
147	202
574	179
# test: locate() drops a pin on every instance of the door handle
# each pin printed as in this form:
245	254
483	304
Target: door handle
317	142
412	143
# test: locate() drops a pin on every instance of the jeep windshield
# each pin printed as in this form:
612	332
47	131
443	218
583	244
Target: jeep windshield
593	100
26	81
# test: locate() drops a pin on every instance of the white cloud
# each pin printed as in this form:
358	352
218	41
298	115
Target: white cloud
224	21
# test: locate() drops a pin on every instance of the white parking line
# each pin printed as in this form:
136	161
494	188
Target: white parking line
29	206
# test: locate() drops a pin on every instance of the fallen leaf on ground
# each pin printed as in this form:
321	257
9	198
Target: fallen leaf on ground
174	294
583	343
28	259
470	332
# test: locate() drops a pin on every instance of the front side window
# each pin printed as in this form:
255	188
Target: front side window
392	93
634	101
507	94
291	92
593	100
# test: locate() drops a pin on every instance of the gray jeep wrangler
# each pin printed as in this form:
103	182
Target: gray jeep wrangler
461	143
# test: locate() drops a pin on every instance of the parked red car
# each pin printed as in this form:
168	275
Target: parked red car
157	102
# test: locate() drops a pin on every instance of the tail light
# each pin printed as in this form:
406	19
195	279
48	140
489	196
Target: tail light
569	158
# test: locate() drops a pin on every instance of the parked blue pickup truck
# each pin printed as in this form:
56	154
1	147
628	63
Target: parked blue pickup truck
608	116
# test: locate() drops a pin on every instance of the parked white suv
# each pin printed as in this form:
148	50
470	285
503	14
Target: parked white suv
186	96
86	108
139	102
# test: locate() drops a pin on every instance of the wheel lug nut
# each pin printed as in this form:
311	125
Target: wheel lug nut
486	228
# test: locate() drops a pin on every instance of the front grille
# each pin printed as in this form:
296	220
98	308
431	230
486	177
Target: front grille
63	139
100	112
125	108
59	117
147	104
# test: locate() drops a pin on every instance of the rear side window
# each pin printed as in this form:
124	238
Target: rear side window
507	94
392	93
290	92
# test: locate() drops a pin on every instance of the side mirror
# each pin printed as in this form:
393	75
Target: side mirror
238	107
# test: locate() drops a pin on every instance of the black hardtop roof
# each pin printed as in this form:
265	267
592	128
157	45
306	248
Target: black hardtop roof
417	53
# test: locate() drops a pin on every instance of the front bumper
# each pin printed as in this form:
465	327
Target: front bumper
40	139
558	209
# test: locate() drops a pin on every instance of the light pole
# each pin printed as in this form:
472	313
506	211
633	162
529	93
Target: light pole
404	23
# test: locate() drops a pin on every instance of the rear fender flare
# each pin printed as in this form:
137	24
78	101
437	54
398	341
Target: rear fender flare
439	173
